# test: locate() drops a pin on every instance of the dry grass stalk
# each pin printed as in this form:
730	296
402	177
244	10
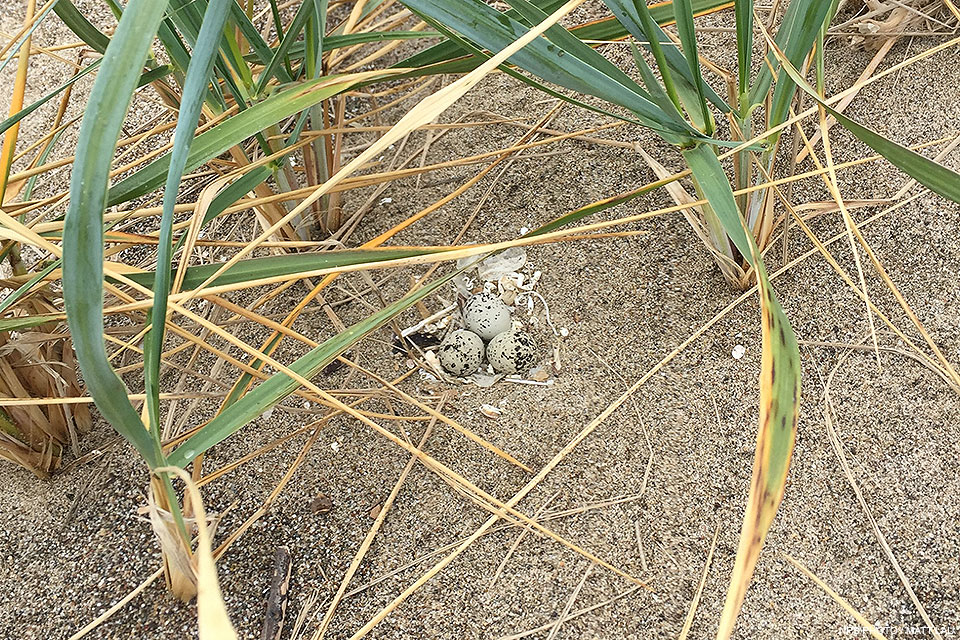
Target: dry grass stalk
878	21
39	364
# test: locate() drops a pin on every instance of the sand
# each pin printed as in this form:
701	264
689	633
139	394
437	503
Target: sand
678	452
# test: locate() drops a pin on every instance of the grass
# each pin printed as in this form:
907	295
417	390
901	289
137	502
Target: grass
261	112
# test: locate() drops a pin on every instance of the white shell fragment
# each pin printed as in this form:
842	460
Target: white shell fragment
502	264
739	351
490	411
486	315
511	352
461	353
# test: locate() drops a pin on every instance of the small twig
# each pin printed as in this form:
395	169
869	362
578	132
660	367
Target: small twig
688	622
566	610
519	539
643	556
277	599
571	616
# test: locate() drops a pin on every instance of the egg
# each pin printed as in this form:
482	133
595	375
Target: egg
511	352
486	315
461	353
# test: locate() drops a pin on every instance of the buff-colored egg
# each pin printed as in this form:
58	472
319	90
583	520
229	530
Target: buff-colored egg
511	352
461	353
486	315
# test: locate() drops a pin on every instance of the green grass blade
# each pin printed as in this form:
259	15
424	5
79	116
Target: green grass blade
572	45
80	26
187	15
231	57
315	40
277	21
637	19
683	11
175	48
232	131
282	265
194	90
643	24
796	37
20	323
934	176
513	73
821	40
657	94
83	227
292	34
605	29
744	17
271	391
494	31
260	48
779	389
712	180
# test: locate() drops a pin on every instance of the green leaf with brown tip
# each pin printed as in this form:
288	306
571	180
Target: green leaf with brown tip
779	388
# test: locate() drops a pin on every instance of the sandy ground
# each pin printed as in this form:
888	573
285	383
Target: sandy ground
678	452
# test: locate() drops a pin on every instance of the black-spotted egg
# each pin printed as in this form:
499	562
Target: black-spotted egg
486	315
511	352
461	353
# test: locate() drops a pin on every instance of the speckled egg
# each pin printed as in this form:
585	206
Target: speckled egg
511	352
486	315
461	353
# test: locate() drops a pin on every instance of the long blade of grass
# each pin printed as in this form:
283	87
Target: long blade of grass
493	31
641	22
194	90
234	130
83	226
20	323
445	53
683	10
779	389
509	70
669	104
26	286
572	45
250	33
933	175
286	264
796	37
638	19
81	27
280	53
744	17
